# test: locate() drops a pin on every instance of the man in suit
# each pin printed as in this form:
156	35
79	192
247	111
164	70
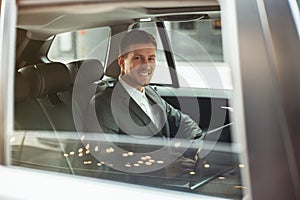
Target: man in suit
131	107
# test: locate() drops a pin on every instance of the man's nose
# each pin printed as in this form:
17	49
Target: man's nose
146	63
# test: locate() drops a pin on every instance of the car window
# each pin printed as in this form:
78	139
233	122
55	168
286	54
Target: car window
198	53
56	125
205	33
83	44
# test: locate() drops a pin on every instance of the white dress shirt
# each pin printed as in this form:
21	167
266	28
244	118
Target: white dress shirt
140	98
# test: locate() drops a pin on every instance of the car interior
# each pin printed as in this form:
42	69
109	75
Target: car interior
52	97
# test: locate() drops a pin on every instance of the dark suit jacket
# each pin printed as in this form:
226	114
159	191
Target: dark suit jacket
114	111
118	113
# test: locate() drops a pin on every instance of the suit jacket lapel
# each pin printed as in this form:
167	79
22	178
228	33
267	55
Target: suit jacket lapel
160	110
135	109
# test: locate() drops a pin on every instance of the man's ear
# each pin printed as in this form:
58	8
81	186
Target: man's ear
121	62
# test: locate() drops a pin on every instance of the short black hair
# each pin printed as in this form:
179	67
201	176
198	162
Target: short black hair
135	37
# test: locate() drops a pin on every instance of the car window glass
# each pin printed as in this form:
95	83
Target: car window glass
198	52
206	33
56	126
81	44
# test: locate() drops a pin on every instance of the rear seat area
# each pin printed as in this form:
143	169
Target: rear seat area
54	96
28	113
46	82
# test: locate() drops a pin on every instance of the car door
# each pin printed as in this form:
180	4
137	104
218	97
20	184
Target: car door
253	122
269	77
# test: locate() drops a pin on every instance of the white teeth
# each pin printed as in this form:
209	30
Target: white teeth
144	73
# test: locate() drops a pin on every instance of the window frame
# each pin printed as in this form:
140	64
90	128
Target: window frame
168	53
263	60
7	63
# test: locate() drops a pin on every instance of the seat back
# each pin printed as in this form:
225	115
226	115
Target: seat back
28	114
86	71
46	82
86	78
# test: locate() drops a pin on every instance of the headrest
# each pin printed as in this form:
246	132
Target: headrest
90	70
21	88
113	70
47	78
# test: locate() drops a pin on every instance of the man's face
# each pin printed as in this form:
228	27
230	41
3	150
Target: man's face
138	65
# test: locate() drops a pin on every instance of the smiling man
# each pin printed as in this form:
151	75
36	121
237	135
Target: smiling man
131	107
134	108
137	59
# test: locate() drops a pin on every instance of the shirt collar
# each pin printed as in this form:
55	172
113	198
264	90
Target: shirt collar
134	93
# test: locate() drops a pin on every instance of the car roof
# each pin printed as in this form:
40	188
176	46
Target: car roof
44	18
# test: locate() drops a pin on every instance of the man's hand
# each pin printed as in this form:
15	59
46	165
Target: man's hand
181	167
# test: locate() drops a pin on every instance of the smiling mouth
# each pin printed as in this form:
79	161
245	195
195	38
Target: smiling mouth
144	73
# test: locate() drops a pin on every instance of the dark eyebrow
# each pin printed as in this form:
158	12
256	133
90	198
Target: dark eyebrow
144	56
